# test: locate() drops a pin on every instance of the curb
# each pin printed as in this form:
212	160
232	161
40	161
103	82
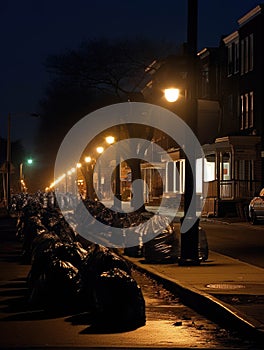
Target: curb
206	304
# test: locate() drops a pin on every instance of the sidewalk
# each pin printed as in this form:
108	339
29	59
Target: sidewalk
229	292
225	289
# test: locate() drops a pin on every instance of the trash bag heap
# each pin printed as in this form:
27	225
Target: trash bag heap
154	237
68	276
72	272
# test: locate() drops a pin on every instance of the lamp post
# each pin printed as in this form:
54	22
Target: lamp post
88	176
8	155
21	178
21	175
190	239
117	188
99	150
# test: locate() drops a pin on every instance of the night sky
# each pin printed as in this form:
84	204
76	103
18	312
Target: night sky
31	30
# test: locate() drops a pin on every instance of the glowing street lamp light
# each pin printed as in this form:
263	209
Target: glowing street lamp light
110	139
100	149
172	94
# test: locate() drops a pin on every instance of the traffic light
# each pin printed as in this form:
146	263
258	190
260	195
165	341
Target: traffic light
29	161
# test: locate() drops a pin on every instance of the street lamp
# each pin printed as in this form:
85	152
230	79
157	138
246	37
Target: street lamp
117	189
88	176
190	239
8	154
21	175
99	150
110	139
172	94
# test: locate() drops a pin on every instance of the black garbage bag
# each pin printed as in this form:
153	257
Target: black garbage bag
100	259
59	225
57	288
72	252
32	228
163	248
43	253
119	301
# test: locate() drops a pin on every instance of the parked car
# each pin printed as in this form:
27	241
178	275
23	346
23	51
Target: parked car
256	208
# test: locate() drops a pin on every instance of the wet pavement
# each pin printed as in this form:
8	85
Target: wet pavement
170	323
222	288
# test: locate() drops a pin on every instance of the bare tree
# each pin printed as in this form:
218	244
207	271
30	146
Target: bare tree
98	73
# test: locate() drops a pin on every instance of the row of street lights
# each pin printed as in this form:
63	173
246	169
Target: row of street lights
86	169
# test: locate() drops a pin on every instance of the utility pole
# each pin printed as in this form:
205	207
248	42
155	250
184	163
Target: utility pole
190	239
8	162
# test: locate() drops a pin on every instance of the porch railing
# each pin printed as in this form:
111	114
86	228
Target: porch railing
234	189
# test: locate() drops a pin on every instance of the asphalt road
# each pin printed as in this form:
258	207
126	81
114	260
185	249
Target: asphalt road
241	241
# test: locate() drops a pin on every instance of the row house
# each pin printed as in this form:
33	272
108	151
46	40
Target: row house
234	158
229	122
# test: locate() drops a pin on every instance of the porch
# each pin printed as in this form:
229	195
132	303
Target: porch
232	173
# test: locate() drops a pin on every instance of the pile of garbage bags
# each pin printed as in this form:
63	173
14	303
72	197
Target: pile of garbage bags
99	225
156	238
69	272
166	246
67	275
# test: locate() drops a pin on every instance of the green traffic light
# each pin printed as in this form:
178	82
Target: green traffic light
30	161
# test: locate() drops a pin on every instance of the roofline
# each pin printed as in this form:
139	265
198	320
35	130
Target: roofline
231	37
250	15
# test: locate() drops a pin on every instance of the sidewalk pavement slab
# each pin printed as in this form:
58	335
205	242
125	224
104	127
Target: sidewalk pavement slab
225	289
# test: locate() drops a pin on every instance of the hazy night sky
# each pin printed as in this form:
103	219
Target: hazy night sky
31	30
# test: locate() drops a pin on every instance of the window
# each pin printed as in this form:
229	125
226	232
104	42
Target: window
209	168
251	110
175	176
226	166
242	112
245	170
229	60
242	62
246	111
170	176
236	57
246	54
251	52
233	58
